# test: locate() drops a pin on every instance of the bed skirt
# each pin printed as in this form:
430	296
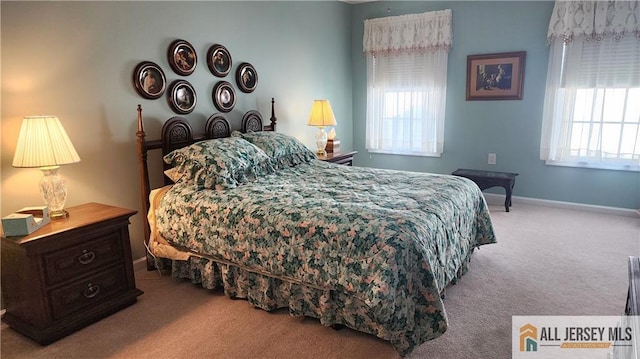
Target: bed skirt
330	307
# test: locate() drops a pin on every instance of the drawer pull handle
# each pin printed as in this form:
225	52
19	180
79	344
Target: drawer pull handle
91	291
86	257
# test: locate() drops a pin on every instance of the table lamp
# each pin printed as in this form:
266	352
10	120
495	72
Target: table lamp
321	116
44	144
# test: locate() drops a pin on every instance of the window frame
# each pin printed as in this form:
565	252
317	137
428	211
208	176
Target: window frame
562	114
428	120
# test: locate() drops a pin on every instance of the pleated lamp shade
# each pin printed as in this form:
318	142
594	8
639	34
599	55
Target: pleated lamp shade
43	142
321	114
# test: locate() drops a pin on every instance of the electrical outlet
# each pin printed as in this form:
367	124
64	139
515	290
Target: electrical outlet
492	159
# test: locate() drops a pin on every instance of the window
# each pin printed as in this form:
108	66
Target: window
605	124
592	100
407	82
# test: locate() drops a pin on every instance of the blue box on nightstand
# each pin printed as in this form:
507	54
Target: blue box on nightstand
25	221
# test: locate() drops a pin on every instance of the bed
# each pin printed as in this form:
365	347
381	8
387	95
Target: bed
254	212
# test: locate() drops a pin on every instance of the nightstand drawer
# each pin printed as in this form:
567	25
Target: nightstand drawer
77	260
90	291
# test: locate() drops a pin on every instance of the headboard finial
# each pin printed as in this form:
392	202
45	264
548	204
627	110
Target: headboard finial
273	118
140	124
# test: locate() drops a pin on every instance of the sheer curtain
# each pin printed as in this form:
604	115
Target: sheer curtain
406	82
591	113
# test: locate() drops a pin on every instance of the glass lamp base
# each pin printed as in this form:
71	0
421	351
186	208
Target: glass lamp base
54	192
59	214
321	141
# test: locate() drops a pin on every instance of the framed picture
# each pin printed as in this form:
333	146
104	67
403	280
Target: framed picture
495	76
219	60
246	77
182	97
182	57
149	80
224	96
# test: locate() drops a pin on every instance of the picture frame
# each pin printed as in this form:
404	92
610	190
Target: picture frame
246	77
497	76
224	96
182	97
219	60
149	80
182	57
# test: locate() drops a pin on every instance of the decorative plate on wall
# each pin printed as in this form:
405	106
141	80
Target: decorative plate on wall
219	60
224	96
246	77
182	97
149	80
182	57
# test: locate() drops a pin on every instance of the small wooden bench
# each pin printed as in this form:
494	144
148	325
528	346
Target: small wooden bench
488	179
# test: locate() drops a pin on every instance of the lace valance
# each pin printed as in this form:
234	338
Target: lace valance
594	19
429	31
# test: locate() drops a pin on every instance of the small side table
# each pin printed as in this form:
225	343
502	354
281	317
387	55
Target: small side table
69	273
488	179
343	158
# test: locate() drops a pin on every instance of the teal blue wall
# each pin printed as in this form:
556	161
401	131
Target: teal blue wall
76	59
511	129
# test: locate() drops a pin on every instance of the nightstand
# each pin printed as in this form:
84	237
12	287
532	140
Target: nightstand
68	274
343	158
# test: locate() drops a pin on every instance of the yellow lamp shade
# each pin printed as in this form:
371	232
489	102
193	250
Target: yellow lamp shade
321	114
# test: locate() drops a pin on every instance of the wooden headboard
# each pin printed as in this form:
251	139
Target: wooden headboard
177	133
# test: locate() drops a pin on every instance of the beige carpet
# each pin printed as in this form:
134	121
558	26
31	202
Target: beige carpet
548	261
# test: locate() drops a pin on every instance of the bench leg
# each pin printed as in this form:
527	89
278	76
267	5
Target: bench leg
507	201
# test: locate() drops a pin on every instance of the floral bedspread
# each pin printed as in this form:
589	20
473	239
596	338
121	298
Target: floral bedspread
389	240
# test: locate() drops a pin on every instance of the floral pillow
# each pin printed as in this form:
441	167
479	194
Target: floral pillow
284	150
218	164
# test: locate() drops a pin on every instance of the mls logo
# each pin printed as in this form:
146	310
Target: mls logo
528	335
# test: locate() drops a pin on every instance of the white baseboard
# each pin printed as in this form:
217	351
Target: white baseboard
498	199
140	264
